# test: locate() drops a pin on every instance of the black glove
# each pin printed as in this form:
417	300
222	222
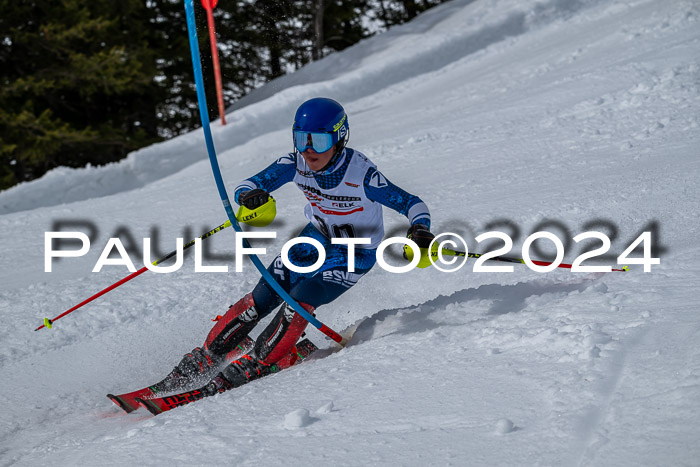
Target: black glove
253	199
420	234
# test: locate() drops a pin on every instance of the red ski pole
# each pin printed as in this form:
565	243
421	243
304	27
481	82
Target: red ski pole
508	259
49	322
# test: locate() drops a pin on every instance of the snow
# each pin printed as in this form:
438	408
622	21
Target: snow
299	418
502	115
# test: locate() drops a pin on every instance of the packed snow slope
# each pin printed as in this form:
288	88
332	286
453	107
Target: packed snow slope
510	115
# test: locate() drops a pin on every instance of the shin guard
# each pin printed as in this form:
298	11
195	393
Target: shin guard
279	337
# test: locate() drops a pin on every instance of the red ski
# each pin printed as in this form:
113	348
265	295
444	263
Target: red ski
157	405
127	401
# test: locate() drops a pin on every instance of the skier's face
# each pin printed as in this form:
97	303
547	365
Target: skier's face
317	160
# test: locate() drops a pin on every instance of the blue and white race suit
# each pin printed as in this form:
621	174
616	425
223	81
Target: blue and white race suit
344	201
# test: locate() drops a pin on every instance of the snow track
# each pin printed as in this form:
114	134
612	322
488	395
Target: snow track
502	115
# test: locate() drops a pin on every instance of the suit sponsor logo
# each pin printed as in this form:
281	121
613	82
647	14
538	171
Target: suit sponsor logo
331	204
278	268
318	194
378	180
288	159
344	278
343	205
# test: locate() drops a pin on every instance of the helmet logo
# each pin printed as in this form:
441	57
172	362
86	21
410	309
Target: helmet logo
337	126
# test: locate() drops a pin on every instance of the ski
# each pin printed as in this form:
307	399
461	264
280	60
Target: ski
157	405
127	401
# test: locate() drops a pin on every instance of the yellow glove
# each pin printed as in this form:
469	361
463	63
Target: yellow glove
422	236
257	208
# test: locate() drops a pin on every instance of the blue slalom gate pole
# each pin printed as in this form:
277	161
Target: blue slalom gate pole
204	115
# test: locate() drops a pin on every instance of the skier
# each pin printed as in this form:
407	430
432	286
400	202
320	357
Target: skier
346	192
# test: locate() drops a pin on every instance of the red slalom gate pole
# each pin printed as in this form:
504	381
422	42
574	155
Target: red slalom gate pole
209	5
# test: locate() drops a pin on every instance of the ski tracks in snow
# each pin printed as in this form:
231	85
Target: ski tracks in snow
576	331
499	299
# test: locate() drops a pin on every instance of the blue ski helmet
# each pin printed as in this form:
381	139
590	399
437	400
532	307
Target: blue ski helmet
320	123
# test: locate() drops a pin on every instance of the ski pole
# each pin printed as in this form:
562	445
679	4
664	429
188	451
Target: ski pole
49	322
214	162
510	259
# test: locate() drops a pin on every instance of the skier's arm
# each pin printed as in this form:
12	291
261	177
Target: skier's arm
271	178
379	189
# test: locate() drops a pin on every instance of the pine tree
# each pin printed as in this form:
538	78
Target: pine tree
88	81
77	85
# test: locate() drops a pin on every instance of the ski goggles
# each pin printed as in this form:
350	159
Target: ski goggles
319	142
